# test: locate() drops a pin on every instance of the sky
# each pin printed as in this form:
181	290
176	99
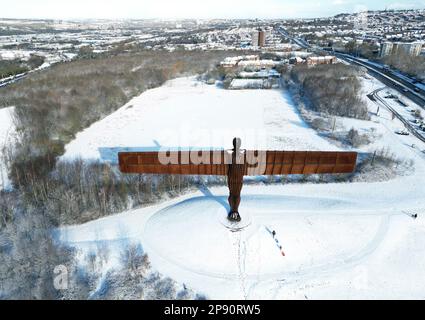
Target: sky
199	9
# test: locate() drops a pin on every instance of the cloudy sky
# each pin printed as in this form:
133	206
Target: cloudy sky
169	9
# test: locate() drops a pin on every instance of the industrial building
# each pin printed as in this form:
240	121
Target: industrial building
389	48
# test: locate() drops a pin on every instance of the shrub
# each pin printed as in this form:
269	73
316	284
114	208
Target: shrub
418	114
356	140
331	89
11	68
320	124
414	66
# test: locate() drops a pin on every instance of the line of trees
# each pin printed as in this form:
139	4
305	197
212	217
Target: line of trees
12	67
17	66
29	257
52	106
414	66
331	89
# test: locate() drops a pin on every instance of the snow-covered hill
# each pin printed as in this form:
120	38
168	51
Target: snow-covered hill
340	240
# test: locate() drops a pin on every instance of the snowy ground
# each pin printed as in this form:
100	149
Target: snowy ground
368	251
188	114
340	241
6	135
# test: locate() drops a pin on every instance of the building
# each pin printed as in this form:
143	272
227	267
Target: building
296	60
255	83
412	49
262	74
386	49
259	64
262	39
259	38
255	37
389	48
232	62
314	61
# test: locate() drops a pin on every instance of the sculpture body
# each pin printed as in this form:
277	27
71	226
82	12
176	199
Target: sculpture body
235	174
237	163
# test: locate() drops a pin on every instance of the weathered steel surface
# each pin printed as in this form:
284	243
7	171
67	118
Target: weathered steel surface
237	163
235	173
303	162
179	163
256	162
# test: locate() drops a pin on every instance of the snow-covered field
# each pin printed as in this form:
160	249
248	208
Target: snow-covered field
189	114
6	134
341	241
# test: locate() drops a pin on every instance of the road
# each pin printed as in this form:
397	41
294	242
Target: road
375	97
392	80
301	42
7	81
389	78
13	79
403	80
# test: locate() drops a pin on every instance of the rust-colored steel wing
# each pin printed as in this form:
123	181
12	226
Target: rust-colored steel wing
257	163
299	162
175	163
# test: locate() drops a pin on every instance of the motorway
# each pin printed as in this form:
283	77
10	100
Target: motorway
10	80
301	42
389	78
374	96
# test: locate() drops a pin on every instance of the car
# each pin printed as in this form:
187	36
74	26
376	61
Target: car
417	89
402	132
405	90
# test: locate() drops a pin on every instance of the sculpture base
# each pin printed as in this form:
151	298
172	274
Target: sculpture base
234	225
234	217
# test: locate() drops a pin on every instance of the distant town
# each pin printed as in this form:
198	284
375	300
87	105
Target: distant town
37	44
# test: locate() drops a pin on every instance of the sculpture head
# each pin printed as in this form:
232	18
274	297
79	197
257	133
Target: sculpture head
237	142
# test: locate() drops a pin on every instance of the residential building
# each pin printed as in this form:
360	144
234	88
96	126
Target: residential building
386	49
412	49
259	38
